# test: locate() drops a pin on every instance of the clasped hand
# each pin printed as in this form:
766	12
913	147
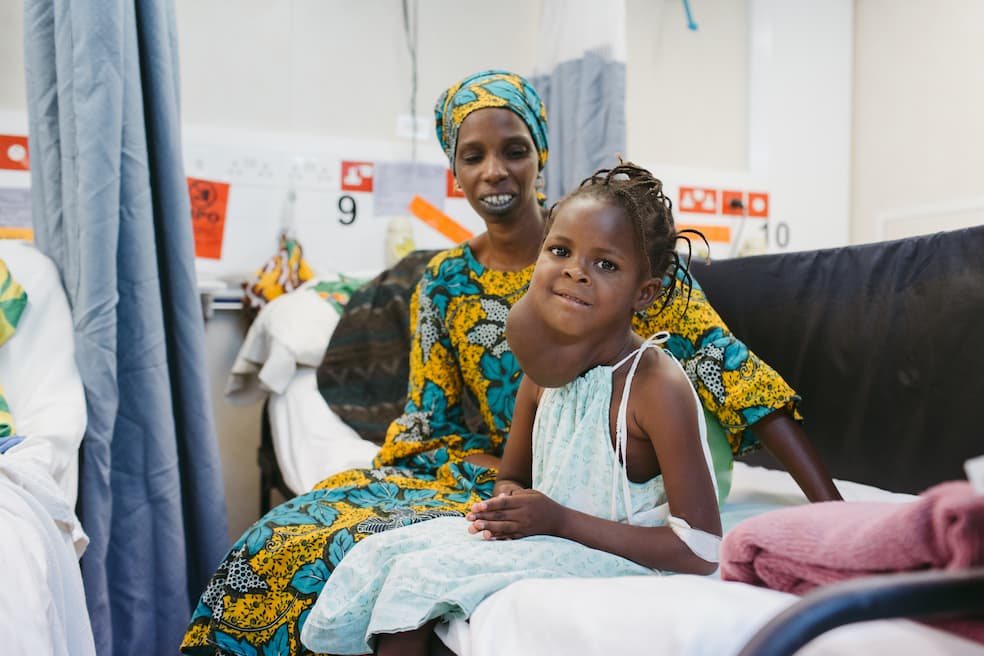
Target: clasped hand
516	513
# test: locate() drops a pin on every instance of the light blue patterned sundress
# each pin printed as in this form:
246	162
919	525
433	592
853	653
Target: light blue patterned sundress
401	579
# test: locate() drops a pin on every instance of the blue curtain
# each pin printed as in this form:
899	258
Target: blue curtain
111	209
580	74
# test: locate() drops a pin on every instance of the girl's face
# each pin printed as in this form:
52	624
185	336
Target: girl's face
496	163
591	273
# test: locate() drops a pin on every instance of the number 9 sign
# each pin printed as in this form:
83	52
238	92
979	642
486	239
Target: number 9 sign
348	209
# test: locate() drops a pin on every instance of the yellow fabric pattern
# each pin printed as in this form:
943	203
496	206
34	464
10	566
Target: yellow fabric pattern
282	273
460	310
13	300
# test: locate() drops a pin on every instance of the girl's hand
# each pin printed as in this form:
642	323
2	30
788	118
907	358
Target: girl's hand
516	513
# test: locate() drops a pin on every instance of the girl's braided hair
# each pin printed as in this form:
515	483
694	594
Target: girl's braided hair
641	197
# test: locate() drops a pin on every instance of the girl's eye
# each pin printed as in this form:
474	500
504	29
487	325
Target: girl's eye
559	251
607	265
471	158
517	153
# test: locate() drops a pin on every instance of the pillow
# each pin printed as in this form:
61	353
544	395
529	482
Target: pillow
363	375
13	300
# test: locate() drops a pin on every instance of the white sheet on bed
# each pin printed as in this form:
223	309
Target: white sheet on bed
679	614
311	441
37	370
42	603
278	358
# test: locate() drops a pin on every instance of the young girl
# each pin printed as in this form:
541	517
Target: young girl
606	471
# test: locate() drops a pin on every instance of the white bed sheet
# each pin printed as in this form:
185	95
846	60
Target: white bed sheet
311	441
42	603
680	614
278	359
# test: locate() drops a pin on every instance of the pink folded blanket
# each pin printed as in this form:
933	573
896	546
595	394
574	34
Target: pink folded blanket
797	549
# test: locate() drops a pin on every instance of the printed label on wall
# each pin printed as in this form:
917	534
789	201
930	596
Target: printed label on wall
208	215
758	204
13	153
732	203
453	190
699	200
356	176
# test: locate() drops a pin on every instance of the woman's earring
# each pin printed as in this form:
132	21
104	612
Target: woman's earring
540	184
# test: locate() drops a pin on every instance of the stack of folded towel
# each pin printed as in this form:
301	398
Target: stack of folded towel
797	549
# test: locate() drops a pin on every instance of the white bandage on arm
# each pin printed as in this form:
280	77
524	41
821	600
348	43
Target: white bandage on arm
706	546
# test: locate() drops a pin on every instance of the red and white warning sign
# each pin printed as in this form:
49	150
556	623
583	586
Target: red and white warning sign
356	176
13	153
758	204
700	200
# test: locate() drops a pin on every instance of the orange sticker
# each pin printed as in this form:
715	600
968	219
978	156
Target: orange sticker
208	215
732	202
438	220
453	190
758	204
13	153
712	232
27	234
700	200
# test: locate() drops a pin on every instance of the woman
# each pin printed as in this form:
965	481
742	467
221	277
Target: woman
493	128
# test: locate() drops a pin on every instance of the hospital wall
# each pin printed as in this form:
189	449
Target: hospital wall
897	84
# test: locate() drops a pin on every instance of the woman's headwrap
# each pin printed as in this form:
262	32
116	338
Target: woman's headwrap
490	89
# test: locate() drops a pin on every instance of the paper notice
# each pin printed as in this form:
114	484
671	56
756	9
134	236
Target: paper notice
396	183
208	215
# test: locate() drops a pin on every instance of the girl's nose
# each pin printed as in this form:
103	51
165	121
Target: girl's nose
575	272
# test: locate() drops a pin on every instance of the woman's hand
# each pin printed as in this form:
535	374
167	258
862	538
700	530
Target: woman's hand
486	460
516	513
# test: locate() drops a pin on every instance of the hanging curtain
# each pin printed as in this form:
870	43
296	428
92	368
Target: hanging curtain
580	74
111	209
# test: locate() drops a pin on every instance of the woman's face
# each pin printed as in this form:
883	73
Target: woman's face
496	163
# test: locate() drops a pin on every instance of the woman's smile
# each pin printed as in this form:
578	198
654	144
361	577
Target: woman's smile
498	202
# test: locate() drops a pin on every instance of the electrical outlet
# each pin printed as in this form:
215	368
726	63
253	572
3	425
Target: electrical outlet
310	172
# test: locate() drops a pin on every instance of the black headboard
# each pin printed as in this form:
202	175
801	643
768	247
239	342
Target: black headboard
885	343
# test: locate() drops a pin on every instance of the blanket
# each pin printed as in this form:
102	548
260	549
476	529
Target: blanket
363	374
798	549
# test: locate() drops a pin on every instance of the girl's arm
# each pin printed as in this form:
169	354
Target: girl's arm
668	418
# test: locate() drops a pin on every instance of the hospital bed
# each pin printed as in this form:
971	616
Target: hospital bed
879	339
42	604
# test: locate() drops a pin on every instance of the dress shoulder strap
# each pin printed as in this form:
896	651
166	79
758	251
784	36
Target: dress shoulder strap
620	475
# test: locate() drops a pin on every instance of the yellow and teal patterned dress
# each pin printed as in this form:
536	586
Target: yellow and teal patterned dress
261	594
